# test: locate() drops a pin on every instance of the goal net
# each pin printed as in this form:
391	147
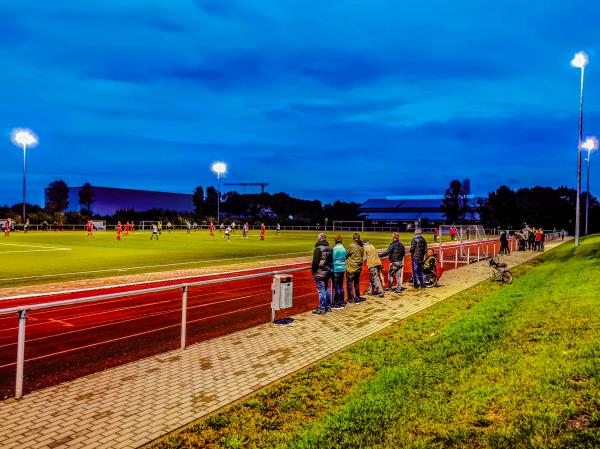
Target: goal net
348	225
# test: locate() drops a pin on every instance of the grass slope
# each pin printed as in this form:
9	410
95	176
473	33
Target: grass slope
36	257
514	366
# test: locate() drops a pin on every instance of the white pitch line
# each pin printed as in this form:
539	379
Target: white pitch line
32	246
35	250
149	266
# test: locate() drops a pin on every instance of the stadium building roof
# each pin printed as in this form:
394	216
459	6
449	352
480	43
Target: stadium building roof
408	208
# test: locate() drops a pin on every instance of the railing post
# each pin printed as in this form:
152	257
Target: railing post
478	246
455	257
20	354
184	298
468	255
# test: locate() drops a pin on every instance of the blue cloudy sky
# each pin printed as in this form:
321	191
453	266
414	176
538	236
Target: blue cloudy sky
322	99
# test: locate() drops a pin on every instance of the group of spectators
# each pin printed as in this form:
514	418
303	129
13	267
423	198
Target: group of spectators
528	238
335	263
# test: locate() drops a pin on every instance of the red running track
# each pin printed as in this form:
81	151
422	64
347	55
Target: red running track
66	342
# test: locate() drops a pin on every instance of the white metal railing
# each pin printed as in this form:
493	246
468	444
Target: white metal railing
22	311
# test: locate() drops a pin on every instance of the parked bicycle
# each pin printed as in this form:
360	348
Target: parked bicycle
500	271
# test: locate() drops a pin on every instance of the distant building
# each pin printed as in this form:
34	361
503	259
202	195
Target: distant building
404	210
108	200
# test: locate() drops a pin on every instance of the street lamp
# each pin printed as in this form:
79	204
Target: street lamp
579	61
24	138
590	145
219	168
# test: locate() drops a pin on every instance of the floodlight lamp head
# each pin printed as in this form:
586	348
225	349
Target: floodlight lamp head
219	168
23	137
580	60
590	144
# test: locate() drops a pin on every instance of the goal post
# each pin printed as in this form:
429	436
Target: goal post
462	239
348	225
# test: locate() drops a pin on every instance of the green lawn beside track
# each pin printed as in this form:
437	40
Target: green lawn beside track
41	257
496	366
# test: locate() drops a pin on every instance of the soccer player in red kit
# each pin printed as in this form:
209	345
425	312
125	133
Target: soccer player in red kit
90	228
119	230
262	231
132	227
127	227
211	229
7	228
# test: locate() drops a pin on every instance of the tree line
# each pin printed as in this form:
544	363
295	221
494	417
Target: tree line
511	209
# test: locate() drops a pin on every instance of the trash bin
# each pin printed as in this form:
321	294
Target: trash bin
281	290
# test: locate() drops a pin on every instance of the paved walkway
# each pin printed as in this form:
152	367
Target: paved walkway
133	404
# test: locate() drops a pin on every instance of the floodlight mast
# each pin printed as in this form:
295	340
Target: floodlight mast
24	138
590	145
580	60
219	168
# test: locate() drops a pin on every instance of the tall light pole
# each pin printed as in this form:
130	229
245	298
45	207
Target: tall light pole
24	138
590	145
219	168
579	61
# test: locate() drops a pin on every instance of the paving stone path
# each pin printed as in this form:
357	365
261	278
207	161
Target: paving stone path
131	405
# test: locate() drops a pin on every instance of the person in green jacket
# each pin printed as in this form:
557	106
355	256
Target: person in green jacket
339	269
375	266
354	263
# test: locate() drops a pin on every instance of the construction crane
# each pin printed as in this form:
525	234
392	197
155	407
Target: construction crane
246	184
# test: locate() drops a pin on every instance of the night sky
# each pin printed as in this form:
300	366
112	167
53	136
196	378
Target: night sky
323	99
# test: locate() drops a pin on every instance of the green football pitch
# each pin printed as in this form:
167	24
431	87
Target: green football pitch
41	257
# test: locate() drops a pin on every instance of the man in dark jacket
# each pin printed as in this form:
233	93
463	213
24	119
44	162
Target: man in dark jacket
354	263
418	248
322	267
396	253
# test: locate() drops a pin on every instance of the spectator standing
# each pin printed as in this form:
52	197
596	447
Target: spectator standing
504	243
374	265
339	269
538	239
396	253
354	262
418	248
322	266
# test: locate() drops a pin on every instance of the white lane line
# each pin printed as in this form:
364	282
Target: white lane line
150	266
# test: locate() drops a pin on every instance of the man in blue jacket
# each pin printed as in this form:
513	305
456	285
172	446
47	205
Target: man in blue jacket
322	266
396	253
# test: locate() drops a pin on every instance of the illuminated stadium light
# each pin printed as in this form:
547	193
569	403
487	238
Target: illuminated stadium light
24	138
219	168
580	60
590	145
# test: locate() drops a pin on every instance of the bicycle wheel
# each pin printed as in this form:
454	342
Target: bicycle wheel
507	277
